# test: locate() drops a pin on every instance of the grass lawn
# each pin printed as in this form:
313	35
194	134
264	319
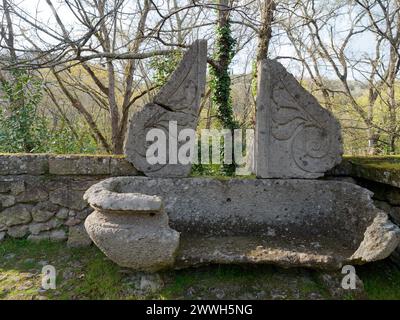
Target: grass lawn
88	274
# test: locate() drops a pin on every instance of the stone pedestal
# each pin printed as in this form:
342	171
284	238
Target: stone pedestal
132	230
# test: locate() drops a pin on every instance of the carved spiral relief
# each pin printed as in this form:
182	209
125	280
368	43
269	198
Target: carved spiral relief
309	146
298	119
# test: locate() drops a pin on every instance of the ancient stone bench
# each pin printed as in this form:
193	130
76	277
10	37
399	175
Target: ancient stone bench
323	224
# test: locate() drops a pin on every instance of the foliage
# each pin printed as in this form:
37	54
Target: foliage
164	66
21	127
25	129
220	80
62	140
220	83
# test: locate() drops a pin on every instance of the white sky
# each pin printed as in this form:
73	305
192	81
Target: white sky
363	44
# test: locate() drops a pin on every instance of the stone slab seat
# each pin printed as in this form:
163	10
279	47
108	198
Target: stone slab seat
155	223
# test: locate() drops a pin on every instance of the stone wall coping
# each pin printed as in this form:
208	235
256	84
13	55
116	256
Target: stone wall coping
382	169
71	164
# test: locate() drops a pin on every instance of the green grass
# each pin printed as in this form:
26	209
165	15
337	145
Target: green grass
381	281
88	274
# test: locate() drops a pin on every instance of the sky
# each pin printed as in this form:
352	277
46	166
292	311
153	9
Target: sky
242	62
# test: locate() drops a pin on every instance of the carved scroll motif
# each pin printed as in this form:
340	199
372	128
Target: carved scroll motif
178	100
296	137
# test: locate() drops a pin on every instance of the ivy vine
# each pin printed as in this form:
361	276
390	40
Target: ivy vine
220	83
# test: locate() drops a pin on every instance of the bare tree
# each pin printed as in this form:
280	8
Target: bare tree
324	50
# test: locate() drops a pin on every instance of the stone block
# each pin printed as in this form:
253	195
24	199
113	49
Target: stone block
44	211
58	235
16	215
6	201
295	136
178	101
9	185
63	214
65	197
34	191
18	232
122	167
37	228
79	165
32	164
78	237
55	235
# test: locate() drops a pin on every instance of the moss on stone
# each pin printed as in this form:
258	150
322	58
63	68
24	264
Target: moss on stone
383	169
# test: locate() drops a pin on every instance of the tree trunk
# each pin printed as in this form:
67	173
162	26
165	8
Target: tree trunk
265	33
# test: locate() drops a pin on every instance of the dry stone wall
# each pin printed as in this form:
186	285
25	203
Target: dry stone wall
41	196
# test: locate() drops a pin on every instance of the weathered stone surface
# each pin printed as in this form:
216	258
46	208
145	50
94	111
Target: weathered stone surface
178	100
17	187
63	214
138	241
131	229
18	231
80	184
14	187
72	222
78	237
39	237
33	193
295	136
79	165
2	236
44	211
68	198
381	239
18	214
58	235
36	228
121	167
6	201
33	164
309	223
55	235
105	200
343	179
184	89
82	215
